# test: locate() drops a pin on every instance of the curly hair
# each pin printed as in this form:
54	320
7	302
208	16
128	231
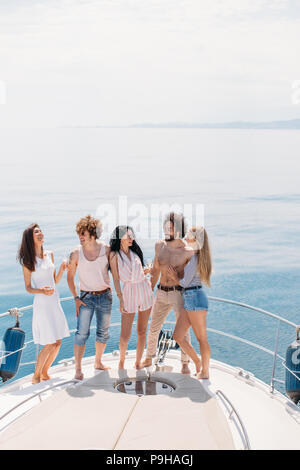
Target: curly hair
91	225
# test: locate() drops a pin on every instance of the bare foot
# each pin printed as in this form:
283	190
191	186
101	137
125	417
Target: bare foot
147	362
121	365
101	366
35	379
185	369
203	375
78	375
45	377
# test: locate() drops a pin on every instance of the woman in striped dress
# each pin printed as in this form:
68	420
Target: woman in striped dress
127	266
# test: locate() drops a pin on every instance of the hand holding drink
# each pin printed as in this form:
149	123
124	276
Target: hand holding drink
66	261
47	290
148	267
64	265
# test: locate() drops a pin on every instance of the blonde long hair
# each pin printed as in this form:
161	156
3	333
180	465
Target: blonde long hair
204	255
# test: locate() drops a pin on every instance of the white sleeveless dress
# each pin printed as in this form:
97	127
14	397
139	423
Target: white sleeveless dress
48	321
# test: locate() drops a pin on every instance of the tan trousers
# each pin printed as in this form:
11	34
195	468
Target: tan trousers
163	304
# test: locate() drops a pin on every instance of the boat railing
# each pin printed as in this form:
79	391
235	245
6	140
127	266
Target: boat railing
234	411
37	394
279	320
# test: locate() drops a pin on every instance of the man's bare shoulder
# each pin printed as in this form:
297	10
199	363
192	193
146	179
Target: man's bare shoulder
107	248
102	244
159	244
74	253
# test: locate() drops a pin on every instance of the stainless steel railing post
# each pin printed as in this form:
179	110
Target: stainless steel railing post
233	410
275	357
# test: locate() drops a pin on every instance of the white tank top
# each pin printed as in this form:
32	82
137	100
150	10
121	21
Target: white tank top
93	275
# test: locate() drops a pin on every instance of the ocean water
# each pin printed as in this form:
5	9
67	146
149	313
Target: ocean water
246	183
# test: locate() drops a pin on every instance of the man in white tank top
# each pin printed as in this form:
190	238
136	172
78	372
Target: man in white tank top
90	260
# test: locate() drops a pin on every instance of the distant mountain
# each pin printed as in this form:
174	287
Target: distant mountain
291	124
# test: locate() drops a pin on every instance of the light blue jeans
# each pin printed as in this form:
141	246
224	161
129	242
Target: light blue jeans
101	306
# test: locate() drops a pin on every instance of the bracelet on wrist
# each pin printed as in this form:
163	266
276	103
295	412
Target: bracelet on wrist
76	297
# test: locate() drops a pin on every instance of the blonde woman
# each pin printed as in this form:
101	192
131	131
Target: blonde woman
194	313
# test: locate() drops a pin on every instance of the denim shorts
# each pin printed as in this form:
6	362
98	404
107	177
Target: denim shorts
100	305
195	299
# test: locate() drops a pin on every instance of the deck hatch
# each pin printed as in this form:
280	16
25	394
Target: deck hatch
144	387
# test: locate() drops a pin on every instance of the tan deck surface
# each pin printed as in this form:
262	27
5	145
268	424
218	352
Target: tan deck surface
93	415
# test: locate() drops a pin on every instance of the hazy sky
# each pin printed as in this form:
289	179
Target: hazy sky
89	62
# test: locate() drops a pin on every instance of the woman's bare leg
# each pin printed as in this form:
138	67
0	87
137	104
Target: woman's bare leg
42	358
51	358
182	325
142	323
198	322
126	326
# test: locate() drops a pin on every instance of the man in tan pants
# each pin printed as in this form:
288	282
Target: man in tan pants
172	252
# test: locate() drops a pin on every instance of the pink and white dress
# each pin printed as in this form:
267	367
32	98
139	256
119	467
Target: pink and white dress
137	291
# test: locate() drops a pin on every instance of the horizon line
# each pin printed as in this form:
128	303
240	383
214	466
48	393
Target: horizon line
277	124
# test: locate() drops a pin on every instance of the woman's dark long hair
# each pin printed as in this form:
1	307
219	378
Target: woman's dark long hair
115	242
26	254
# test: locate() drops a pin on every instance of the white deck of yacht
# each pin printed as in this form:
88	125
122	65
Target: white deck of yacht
92	414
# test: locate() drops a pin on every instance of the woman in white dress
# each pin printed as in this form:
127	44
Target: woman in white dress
49	324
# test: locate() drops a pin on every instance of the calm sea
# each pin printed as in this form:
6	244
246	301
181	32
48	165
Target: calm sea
246	181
